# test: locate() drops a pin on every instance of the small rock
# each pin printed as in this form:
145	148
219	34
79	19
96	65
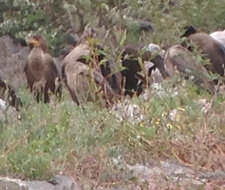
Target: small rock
154	48
173	114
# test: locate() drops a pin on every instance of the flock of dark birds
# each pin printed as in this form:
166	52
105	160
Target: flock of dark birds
86	67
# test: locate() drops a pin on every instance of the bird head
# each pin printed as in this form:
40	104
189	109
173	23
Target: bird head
38	41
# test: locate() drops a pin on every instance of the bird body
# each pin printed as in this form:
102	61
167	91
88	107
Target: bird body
212	49
178	58
40	70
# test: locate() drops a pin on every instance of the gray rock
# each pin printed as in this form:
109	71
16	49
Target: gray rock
155	49
65	183
166	173
56	183
12	184
39	185
12	60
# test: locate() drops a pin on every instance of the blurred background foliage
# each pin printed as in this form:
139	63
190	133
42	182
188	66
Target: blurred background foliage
61	21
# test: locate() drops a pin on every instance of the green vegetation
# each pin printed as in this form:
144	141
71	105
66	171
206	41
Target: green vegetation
83	142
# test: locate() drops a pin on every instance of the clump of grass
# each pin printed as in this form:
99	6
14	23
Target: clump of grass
92	144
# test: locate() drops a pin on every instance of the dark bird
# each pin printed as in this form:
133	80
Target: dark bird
8	94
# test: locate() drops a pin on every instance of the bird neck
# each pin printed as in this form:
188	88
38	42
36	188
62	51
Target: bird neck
37	54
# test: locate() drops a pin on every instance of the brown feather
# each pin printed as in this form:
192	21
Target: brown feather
212	49
78	75
41	71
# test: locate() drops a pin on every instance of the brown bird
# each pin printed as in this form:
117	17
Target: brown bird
40	70
211	48
83	74
178	58
81	79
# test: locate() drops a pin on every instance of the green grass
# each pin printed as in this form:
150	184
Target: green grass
62	138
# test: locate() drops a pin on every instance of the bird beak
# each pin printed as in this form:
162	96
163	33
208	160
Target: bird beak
33	42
